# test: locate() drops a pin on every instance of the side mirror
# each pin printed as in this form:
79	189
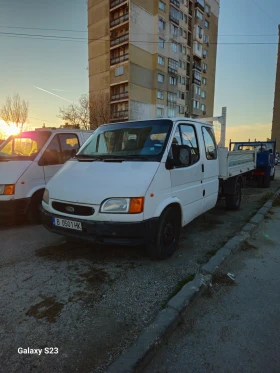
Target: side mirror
185	155
181	157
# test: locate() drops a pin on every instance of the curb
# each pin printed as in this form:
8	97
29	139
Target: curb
137	357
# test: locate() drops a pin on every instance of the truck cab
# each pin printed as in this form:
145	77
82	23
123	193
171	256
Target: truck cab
28	161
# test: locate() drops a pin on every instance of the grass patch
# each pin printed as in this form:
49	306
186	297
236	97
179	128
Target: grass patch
276	202
180	285
266	197
211	253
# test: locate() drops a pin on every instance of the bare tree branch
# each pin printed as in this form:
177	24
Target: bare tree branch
15	110
88	114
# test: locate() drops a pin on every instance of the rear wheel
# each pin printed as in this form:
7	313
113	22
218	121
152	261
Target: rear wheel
273	176
168	234
33	211
233	201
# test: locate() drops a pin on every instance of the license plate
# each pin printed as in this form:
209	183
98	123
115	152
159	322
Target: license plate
63	223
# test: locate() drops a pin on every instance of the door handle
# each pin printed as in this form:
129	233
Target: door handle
202	166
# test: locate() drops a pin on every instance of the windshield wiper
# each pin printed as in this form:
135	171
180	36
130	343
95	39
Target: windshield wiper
87	158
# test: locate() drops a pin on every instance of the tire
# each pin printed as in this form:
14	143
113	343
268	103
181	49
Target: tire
266	181
233	201
168	235
33	211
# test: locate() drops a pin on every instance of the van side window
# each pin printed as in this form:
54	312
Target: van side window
69	146
52	154
189	138
209	142
175	142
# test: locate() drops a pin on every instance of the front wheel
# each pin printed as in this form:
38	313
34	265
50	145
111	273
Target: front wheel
233	201
33	212
168	235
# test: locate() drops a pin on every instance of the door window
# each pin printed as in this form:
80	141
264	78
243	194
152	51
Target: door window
210	143
189	138
61	148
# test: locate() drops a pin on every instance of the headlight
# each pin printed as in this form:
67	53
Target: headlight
123	206
46	196
7	190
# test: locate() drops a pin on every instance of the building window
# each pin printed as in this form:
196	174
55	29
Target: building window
171	97
160	78
204	81
162	6
181	109
171	112
173	64
161	60
199	14
204	67
180	31
174	46
185	18
160	112
203	107
179	79
203	94
119	71
197	75
199	29
183	80
206	23
182	95
206	38
184	50
201	2
174	30
198	47
185	34
197	90
207	9
161	24
195	104
160	95
161	42
181	15
174	13
172	80
205	52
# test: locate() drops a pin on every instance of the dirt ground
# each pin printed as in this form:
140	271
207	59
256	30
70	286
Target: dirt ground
92	302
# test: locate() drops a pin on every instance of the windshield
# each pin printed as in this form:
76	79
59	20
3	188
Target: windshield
25	145
138	140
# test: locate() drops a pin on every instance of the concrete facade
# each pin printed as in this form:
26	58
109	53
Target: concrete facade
156	58
276	109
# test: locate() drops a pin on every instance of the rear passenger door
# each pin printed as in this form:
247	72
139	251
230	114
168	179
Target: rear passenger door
211	169
186	181
62	147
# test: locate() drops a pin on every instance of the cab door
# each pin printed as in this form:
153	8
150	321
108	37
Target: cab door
61	148
210	168
186	181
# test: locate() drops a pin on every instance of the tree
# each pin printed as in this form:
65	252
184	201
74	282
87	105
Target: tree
15	110
87	114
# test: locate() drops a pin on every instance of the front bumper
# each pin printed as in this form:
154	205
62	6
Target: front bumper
12	208
131	234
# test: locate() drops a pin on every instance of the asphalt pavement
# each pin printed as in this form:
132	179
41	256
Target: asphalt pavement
235	327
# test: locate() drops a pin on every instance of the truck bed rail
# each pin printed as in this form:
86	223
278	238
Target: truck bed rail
235	163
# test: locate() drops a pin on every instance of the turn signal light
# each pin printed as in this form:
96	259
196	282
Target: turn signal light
136	205
9	190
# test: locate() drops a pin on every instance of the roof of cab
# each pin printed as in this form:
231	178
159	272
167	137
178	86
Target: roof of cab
174	119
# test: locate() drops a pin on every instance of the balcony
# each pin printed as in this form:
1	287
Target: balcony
196	111
120	20
172	104
119	59
196	81
196	67
175	3
122	114
174	19
115	3
119	96
119	40
172	71
199	6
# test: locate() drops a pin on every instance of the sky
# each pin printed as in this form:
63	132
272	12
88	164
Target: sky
245	75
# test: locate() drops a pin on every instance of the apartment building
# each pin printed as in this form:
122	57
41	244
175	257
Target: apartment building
156	58
276	110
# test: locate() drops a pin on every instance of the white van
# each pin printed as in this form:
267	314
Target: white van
139	182
27	162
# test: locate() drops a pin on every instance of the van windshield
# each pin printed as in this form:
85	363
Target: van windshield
24	146
145	140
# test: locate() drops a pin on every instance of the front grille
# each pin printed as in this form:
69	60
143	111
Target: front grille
73	209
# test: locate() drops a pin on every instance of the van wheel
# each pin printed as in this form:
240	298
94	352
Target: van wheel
168	235
233	201
33	212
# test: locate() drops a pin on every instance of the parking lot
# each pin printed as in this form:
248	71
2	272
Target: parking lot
91	302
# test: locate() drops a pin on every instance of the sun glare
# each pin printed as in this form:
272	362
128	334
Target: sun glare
10	130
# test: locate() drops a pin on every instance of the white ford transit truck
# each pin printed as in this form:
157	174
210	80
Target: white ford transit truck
139	182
